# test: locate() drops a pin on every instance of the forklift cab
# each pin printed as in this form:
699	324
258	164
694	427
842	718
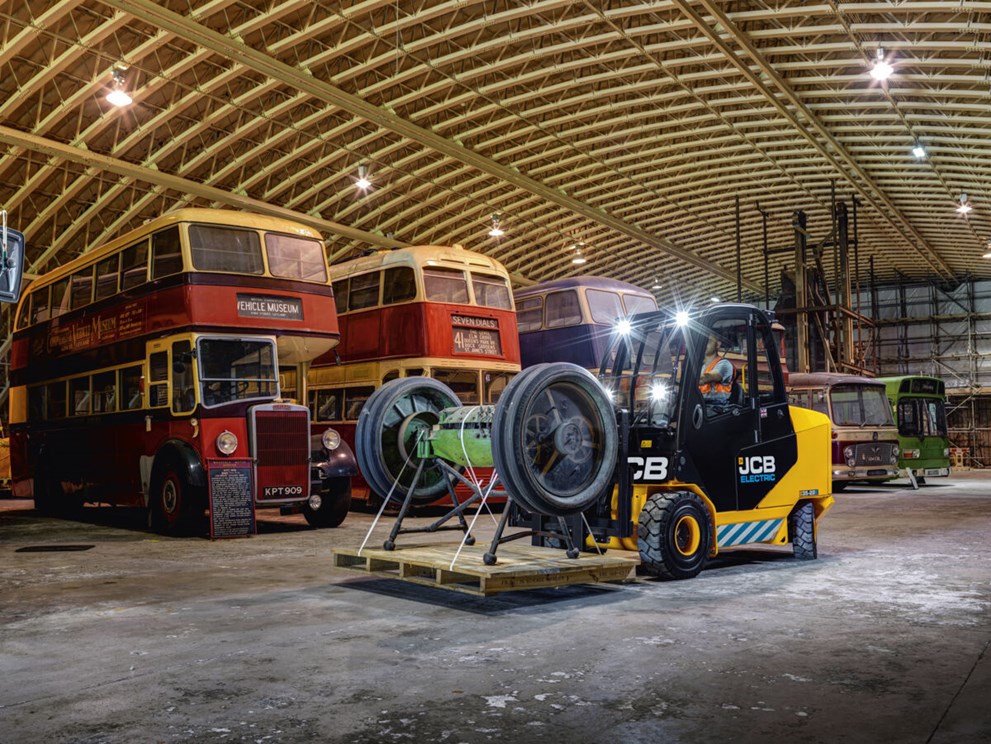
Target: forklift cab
734	446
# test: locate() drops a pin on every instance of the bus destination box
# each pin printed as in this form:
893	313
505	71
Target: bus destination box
232	507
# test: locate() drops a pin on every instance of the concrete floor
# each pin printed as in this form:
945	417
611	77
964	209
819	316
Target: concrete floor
145	639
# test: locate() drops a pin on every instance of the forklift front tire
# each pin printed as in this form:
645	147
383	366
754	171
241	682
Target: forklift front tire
674	535
802	531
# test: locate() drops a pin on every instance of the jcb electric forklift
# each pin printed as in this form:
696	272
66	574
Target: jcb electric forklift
641	458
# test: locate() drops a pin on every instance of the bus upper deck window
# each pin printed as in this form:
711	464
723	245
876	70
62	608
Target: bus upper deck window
445	285
529	314
79	396
166	253
216	248
562	309
341	295
60	297
292	257
134	265
398	285
39	305
639	304
106	277
364	291
603	306
82	287
491	291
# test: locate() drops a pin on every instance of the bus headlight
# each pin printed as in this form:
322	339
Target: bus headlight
896	450
226	442
331	440
946	451
848	452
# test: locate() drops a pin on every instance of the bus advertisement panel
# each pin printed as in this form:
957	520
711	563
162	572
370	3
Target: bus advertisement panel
135	363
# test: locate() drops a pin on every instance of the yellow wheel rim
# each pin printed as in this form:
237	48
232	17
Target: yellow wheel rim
687	535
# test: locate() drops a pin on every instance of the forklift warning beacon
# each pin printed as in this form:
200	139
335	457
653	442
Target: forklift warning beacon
644	457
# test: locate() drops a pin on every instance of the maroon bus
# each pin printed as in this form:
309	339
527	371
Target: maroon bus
140	367
431	311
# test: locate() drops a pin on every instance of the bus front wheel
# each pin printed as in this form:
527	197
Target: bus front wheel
175	506
335	500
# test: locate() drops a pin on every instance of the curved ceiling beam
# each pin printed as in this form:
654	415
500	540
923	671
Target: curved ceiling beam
266	65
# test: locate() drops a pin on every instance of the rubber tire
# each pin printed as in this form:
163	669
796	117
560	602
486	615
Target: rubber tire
840	486
336	503
169	485
802	532
370	441
656	538
508	437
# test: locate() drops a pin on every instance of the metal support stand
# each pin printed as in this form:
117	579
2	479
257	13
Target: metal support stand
563	534
439	525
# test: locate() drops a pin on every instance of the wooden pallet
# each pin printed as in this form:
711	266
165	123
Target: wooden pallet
518	567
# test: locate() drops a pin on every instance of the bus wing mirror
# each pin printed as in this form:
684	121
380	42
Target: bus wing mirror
11	263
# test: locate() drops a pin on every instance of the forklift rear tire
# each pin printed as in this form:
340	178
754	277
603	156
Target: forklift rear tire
674	535
802	531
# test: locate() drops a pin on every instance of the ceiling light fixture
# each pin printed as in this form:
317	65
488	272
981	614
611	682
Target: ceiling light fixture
118	96
919	151
362	183
657	285
881	69
496	231
579	258
964	207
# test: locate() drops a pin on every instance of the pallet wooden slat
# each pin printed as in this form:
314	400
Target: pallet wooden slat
518	567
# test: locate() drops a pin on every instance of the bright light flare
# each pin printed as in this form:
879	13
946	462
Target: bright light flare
624	327
881	69
119	98
681	318
659	392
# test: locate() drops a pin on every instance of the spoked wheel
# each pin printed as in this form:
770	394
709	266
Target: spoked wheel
674	535
802	532
554	439
394	419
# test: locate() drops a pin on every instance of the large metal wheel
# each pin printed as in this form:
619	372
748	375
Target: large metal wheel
554	439
394	418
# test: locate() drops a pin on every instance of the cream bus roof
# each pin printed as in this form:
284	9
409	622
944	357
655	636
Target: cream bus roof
229	217
454	257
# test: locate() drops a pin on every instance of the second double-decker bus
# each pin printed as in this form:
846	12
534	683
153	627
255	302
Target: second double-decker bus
571	320
431	311
919	405
865	440
142	364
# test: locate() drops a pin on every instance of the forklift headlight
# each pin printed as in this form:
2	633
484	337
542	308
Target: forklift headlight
331	440
226	442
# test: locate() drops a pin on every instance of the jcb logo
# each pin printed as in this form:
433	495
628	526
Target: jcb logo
756	465
649	468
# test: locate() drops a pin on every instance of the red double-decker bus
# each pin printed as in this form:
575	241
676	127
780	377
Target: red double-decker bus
432	311
142	364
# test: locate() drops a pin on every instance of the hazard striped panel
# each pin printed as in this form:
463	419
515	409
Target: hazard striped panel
747	532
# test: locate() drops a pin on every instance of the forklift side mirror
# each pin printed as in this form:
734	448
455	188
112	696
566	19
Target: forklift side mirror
697	416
